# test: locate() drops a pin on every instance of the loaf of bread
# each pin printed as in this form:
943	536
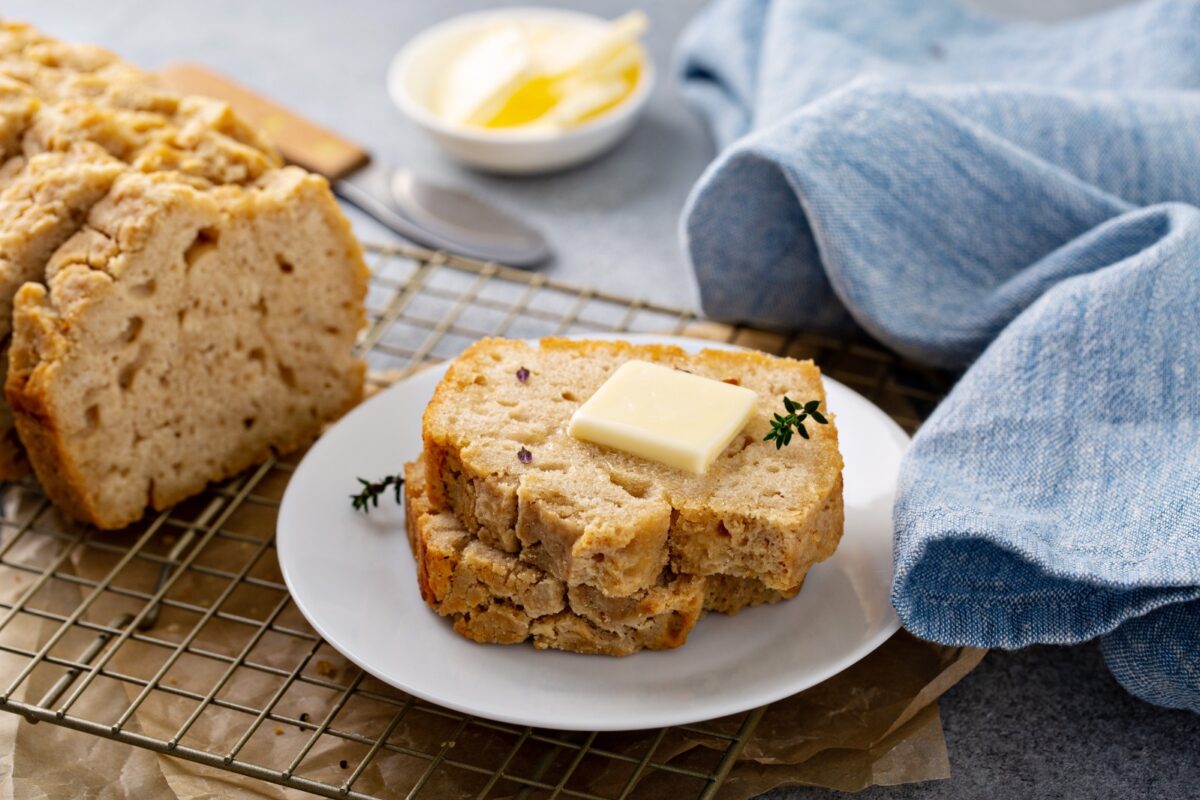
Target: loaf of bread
175	304
593	516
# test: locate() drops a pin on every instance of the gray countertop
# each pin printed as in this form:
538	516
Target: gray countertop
1042	722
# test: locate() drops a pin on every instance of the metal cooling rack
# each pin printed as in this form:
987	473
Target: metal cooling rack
178	634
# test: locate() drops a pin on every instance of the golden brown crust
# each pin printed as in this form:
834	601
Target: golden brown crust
13	464
453	570
727	594
26	395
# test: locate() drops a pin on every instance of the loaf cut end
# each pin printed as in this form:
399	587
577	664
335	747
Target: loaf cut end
183	335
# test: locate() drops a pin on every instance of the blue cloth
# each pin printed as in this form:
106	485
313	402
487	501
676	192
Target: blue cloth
1018	200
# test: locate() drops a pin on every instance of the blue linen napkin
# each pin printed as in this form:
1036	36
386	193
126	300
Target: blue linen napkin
1017	199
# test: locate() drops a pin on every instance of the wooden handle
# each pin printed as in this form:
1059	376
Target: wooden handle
298	140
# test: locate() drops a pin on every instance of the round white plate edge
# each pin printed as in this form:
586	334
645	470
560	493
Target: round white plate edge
714	711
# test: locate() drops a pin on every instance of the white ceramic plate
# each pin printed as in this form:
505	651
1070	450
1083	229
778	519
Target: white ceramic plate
353	577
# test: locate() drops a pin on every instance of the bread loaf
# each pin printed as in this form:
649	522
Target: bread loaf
180	305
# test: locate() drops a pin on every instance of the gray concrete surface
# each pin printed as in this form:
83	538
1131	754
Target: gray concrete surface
1043	722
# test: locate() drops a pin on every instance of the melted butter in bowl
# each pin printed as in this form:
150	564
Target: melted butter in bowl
525	90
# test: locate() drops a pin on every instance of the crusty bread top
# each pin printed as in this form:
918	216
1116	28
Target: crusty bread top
484	413
40	207
55	94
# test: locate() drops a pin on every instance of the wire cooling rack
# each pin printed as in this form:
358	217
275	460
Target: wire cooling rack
178	634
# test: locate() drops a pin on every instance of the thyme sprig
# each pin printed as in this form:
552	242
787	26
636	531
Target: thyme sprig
368	498
782	427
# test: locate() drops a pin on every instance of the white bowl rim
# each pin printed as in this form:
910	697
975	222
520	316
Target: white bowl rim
402	64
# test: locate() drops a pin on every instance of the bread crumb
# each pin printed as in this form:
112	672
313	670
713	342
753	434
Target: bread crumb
279	730
325	669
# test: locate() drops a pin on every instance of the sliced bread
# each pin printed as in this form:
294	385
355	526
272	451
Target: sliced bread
493	596
594	516
41	205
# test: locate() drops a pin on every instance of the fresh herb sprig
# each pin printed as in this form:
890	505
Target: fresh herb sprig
368	498
782	427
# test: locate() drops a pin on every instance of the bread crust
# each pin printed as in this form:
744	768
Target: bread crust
544	609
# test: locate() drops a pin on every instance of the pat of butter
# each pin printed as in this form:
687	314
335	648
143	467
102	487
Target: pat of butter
665	415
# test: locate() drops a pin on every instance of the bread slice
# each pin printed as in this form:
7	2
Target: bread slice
593	516
493	596
182	335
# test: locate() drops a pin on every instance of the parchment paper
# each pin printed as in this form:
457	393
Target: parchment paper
875	723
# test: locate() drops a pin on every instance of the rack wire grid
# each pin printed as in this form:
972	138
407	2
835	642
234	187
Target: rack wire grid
178	634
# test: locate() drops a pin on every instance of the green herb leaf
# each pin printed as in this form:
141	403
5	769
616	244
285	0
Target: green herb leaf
782	428
368	498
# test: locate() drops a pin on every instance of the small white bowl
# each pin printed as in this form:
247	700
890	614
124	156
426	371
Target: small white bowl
415	68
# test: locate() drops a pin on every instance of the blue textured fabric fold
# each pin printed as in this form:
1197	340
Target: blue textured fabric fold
1014	199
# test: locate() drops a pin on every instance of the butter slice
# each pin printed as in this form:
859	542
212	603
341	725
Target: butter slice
665	415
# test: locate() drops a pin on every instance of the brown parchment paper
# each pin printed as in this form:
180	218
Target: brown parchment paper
875	723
